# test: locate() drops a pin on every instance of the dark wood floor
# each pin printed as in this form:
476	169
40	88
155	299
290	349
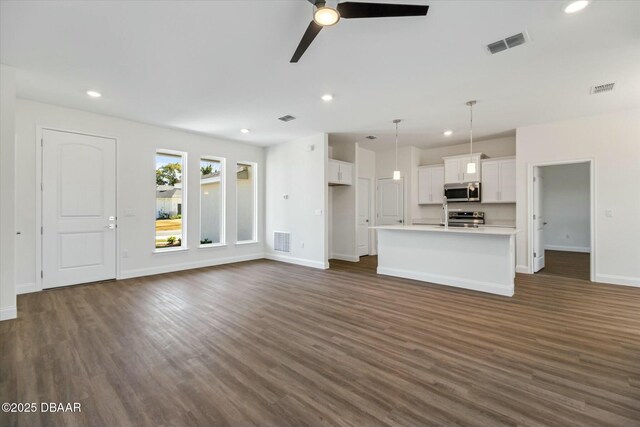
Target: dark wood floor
573	265
265	343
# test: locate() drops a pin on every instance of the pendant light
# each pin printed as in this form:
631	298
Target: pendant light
471	166
396	172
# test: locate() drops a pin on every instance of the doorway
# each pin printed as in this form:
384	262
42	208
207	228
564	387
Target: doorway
78	208
364	216
561	220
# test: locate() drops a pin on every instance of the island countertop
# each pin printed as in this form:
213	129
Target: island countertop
493	231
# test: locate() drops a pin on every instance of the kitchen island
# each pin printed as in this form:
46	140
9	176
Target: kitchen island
481	259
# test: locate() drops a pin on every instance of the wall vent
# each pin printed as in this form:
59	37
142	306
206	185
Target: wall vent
507	43
371	137
607	87
286	118
281	241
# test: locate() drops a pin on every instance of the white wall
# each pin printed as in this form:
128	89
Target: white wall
136	147
343	208
613	142
300	174
7	189
366	168
566	207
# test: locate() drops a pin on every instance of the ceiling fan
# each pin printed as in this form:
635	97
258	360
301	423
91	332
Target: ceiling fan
325	16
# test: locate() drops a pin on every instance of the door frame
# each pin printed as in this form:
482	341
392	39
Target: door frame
39	205
592	209
369	231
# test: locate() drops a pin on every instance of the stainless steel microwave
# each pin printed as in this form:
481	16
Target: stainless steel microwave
463	192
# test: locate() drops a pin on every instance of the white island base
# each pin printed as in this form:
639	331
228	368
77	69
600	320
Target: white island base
480	259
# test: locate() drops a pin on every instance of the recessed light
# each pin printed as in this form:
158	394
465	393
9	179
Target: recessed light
576	6
327	97
94	94
244	130
448	132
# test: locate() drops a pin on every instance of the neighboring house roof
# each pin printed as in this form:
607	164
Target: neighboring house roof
167	192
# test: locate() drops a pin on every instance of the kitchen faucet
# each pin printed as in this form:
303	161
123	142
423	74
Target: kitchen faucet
445	206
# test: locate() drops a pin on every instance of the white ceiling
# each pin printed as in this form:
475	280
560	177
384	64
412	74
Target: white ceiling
216	67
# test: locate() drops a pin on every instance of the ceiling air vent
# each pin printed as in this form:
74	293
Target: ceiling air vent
281	241
371	137
286	118
507	43
607	87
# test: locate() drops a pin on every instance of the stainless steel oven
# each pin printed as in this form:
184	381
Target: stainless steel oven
463	192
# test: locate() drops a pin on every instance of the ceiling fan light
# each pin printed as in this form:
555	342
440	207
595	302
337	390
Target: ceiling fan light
326	16
471	167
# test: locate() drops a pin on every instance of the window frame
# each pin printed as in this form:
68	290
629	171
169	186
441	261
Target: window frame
223	202
184	206
254	237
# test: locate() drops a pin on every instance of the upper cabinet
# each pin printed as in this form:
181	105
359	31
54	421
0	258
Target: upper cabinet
455	168
430	184
499	180
340	173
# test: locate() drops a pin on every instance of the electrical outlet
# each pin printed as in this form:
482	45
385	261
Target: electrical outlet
568	237
608	213
302	244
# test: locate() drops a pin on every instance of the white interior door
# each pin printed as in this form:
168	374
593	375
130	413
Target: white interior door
390	201
78	208
364	193
538	220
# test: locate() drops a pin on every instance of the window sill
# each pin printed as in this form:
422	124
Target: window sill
247	242
170	250
213	245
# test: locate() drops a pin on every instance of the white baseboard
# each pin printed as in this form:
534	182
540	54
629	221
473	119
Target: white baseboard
618	280
8	313
350	258
26	288
524	269
474	285
187	266
297	261
584	249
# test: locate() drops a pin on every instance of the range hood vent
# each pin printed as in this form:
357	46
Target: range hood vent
508	43
607	87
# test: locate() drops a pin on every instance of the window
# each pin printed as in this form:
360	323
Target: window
211	201
246	202
170	200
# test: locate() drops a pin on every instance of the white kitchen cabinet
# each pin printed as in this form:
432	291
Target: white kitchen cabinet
430	184
455	168
340	173
499	180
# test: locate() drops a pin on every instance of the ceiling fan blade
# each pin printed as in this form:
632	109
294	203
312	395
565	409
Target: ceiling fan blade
379	10
312	31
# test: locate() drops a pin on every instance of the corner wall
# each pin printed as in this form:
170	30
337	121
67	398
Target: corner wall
296	200
8	308
613	142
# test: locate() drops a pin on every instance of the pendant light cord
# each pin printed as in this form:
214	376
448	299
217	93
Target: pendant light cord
398	121
471	131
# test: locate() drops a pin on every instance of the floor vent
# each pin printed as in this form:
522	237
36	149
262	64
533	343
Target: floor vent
607	87
286	118
281	241
507	43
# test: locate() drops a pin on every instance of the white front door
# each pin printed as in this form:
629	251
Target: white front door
390	201
78	208
364	189
538	221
